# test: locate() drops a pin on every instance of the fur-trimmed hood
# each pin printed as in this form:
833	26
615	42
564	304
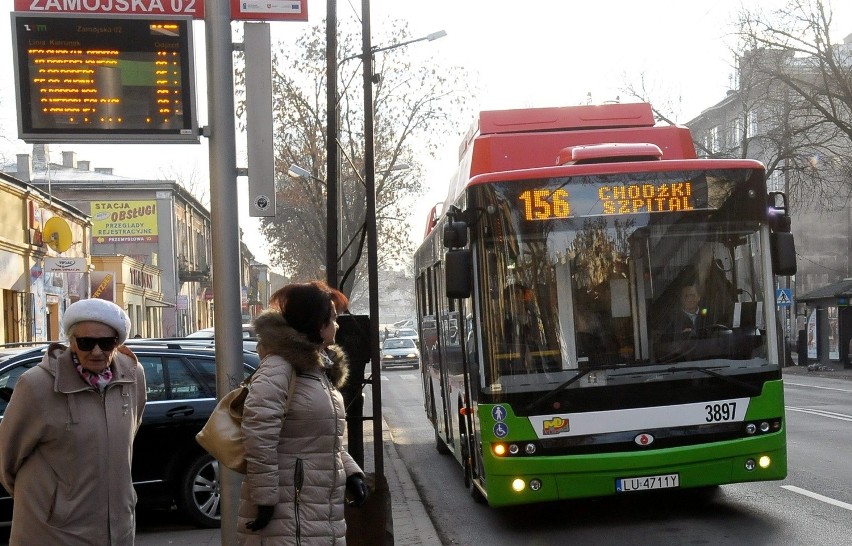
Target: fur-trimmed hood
281	339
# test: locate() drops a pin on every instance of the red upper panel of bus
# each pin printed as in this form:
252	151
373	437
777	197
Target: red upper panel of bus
511	140
522	139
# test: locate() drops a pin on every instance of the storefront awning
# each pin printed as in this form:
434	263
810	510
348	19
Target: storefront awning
153	302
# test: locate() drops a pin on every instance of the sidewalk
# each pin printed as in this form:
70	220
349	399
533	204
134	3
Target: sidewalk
833	370
411	523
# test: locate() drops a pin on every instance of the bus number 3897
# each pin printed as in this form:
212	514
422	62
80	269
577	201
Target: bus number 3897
720	412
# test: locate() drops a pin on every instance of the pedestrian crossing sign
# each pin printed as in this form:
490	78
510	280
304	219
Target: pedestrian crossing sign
783	297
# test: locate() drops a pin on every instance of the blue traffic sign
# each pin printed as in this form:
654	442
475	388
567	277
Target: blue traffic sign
783	297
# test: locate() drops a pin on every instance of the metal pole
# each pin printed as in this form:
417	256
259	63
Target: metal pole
225	230
372	242
332	172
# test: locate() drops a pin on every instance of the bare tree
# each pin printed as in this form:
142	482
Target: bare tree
416	106
192	182
791	105
805	96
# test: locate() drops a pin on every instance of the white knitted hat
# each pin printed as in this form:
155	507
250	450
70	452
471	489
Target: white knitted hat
97	310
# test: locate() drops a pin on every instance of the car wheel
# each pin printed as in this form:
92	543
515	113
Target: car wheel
200	491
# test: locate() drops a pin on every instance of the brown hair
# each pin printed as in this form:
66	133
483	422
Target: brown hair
305	306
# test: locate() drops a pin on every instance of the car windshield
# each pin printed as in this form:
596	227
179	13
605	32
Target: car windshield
398	344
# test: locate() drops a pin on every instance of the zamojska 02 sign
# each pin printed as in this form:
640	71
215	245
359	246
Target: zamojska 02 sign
91	78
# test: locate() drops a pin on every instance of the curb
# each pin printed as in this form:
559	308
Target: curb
412	525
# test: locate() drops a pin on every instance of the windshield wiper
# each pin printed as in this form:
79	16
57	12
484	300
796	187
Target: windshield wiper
750	389
581	374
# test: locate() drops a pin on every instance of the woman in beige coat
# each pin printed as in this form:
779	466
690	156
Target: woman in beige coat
298	471
66	438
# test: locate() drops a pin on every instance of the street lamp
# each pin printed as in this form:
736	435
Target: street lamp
367	52
296	171
333	187
429	37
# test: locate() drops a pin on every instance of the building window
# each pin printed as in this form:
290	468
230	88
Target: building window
715	145
751	124
735	137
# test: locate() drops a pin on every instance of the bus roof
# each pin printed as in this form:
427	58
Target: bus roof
566	118
529	138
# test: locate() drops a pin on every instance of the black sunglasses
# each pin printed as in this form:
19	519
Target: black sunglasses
88	343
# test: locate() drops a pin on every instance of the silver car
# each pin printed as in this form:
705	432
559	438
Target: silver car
400	351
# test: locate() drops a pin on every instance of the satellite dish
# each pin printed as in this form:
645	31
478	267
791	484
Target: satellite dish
57	234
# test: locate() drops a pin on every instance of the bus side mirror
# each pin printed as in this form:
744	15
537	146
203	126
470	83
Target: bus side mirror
455	234
458	268
783	251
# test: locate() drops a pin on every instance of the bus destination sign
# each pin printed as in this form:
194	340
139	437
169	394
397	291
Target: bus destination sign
90	78
550	204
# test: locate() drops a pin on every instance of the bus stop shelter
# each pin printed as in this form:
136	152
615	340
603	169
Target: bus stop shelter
831	331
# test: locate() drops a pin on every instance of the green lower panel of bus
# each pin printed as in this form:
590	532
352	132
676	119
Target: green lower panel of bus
540	479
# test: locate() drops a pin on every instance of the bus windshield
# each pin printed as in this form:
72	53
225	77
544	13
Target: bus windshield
621	278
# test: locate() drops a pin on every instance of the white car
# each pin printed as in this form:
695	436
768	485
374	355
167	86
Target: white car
249	337
407	333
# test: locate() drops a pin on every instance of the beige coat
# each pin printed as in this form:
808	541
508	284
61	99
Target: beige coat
65	453
308	448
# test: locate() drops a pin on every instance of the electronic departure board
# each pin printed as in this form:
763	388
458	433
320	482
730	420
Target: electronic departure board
89	78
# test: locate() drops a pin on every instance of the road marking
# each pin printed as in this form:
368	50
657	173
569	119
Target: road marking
818	497
816	387
822	413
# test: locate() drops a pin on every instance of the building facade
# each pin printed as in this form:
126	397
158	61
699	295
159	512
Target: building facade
153	234
44	244
807	160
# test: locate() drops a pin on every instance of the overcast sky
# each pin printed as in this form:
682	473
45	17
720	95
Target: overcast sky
521	54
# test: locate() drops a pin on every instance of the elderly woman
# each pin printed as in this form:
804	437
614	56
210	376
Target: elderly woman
298	471
66	439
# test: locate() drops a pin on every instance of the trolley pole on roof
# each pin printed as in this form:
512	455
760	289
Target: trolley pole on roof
225	229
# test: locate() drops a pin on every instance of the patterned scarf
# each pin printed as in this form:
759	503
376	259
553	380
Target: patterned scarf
97	380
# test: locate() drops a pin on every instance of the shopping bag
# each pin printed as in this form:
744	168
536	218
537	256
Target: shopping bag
222	436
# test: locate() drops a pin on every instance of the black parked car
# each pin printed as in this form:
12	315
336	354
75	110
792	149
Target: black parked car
170	469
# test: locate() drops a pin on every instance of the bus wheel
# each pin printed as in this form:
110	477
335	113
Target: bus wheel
470	482
476	494
469	474
440	445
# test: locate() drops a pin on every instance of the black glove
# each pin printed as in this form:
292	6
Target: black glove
357	489
264	516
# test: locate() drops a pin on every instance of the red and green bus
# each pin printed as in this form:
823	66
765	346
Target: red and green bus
555	364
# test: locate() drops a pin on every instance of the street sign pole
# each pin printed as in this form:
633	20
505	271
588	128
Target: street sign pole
224	217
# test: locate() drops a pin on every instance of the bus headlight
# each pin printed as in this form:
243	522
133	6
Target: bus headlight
514	449
764	426
535	484
749	464
499	449
764	461
751	428
518	485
